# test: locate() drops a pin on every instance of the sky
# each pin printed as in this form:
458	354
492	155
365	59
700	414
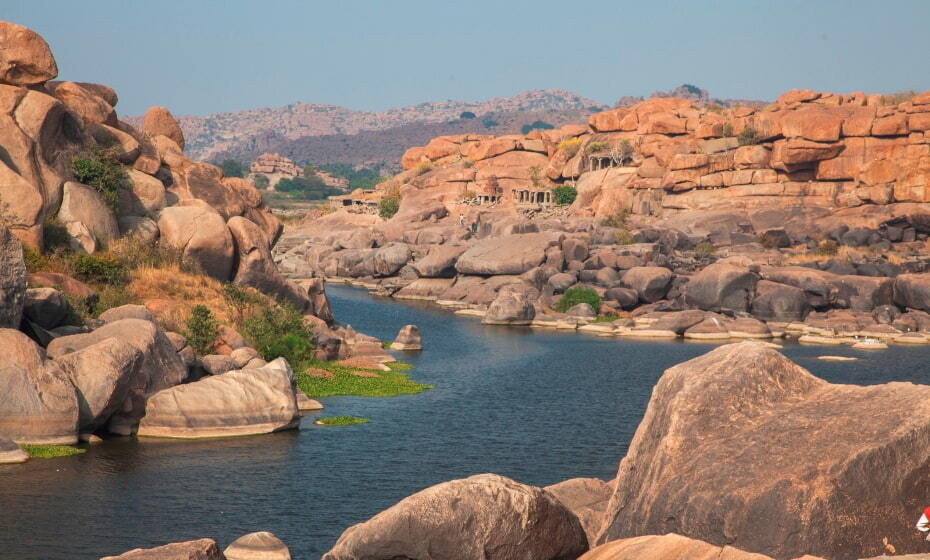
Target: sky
206	56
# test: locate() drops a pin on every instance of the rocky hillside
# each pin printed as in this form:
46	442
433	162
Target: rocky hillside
234	132
129	275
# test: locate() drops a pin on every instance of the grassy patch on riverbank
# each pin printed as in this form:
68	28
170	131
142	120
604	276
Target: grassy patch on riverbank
51	451
341	421
357	382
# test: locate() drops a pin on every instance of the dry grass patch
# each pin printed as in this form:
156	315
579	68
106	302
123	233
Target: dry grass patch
171	294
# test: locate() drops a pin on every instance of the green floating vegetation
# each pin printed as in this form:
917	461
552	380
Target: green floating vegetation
341	421
371	383
51	451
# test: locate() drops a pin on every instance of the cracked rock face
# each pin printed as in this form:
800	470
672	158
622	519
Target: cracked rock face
742	434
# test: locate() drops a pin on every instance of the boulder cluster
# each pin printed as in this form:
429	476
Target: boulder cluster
123	373
741	455
804	217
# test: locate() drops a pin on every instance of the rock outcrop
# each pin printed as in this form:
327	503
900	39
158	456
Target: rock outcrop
668	547
257	546
242	402
408	338
38	403
26	59
742	434
587	498
486	517
10	452
160	367
201	549
12	279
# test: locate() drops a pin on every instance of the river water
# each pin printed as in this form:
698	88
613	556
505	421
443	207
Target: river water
537	406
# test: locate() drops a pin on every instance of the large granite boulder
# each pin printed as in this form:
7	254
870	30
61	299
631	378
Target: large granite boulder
236	403
650	282
483	517
256	266
201	549
103	375
721	286
38	404
587	498
12	279
668	547
512	306
391	258
439	262
45	307
742	434
201	233
160	121
319	303
25	58
161	367
912	291
779	302
509	254
84	102
257	546
82	204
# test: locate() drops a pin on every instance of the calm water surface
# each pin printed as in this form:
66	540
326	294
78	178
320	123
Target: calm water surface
536	406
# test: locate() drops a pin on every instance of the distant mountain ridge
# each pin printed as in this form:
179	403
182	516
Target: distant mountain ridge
320	134
208	136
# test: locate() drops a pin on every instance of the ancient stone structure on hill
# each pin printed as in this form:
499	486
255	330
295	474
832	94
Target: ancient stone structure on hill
275	167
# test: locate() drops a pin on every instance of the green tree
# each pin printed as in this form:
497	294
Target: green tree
565	194
537	125
388	206
99	168
260	182
467	115
578	294
201	329
233	168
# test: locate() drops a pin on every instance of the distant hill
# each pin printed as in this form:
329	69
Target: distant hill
698	96
328	133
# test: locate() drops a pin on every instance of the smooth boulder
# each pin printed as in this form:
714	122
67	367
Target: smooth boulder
742	434
10	452
483	517
200	549
201	233
511	307
161	365
509	254
103	375
408	338
255	265
668	547
651	283
25	58
721	287
38	403
587	498
257	546
236	403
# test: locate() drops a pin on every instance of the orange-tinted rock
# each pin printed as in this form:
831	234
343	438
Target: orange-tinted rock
413	156
751	156
918	122
858	121
795	152
687	161
797	96
439	148
159	120
892	125
92	108
812	123
25	58
662	123
487	149
608	121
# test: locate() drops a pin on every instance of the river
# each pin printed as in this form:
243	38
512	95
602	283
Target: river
537	406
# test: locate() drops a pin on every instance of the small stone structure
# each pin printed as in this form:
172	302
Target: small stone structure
361	201
532	196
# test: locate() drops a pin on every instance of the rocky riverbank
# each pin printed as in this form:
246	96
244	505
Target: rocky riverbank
806	217
138	295
732	437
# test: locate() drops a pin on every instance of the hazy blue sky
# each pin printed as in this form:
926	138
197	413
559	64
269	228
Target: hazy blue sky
199	57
